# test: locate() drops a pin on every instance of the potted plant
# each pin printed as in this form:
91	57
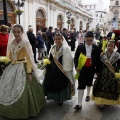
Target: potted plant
18	12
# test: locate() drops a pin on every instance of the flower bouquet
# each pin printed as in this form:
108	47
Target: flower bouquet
4	62
44	63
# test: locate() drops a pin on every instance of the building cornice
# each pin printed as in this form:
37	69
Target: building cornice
75	10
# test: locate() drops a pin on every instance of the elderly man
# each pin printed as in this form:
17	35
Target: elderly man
33	40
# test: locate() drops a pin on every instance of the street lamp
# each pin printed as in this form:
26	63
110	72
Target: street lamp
18	4
88	23
69	18
5	12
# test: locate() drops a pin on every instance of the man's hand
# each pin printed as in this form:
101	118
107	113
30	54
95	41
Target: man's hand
77	70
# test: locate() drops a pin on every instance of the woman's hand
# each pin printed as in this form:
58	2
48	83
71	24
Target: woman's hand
30	77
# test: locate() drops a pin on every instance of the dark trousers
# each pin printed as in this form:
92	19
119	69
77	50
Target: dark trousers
86	77
49	46
34	52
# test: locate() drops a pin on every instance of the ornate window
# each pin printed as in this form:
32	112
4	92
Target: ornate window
9	7
1	5
117	2
59	19
40	14
80	23
1	17
116	14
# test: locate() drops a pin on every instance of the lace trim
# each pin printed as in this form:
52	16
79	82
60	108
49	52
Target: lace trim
16	98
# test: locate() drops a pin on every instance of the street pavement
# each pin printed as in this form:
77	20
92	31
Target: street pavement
89	111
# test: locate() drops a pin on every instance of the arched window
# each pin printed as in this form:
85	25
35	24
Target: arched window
40	20
40	14
116	14
59	19
117	2
59	22
10	10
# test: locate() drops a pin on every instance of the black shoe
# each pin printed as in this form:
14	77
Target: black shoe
36	62
87	98
77	107
60	103
101	107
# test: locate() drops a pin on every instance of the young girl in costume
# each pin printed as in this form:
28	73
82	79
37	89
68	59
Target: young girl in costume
58	80
106	90
21	95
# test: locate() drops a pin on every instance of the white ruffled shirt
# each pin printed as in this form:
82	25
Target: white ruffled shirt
88	50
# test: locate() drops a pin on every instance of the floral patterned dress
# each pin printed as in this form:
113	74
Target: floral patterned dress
106	89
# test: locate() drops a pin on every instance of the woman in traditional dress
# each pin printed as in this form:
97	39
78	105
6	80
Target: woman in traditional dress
106	90
59	78
21	95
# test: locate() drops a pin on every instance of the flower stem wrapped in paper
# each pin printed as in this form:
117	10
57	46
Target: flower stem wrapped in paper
81	61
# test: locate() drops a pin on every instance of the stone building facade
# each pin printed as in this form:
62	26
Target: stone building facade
39	13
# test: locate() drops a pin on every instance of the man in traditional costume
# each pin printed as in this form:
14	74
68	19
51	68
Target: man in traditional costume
86	64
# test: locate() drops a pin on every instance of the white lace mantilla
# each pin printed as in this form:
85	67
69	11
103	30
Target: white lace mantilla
12	84
113	58
67	60
67	57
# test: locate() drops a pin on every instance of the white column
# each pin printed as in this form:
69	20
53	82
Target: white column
26	16
48	15
65	25
84	24
54	18
33	15
77	23
51	16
